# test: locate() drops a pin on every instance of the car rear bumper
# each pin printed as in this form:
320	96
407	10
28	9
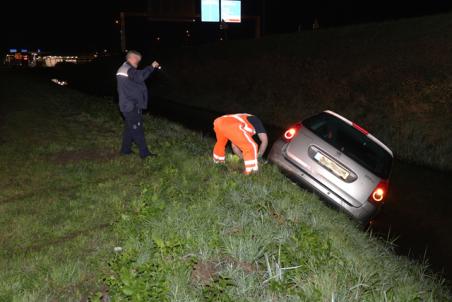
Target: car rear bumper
363	213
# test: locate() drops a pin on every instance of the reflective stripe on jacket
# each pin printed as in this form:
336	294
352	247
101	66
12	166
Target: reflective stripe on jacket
243	118
132	90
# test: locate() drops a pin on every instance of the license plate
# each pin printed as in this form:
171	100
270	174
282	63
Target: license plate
331	165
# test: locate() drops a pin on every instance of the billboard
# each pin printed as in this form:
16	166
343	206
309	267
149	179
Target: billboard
210	10
231	11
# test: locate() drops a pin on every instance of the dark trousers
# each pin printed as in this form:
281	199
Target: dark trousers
134	132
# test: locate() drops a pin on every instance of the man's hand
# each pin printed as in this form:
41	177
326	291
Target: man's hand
155	64
261	160
264	143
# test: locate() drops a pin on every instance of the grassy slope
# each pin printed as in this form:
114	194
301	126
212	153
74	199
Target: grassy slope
189	230
394	78
57	203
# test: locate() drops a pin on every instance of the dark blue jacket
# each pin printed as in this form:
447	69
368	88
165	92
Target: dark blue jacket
132	89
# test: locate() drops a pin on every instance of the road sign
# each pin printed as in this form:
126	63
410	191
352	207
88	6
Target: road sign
210	10
231	11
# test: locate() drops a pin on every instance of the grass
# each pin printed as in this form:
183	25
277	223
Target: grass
61	191
185	229
252	239
394	78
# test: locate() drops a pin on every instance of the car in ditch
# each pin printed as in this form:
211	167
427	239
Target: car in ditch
338	159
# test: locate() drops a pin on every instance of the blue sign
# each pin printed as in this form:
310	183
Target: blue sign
24	50
231	11
210	10
13	50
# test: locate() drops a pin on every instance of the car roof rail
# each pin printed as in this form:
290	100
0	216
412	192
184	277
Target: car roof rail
362	130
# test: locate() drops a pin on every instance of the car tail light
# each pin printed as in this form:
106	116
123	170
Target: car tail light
379	193
360	129
291	132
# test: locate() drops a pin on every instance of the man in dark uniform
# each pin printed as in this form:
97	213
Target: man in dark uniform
133	99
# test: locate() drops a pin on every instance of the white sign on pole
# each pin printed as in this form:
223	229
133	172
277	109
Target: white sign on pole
231	11
210	10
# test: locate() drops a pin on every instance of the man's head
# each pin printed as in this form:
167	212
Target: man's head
133	58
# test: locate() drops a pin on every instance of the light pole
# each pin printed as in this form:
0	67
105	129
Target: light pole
122	20
264	16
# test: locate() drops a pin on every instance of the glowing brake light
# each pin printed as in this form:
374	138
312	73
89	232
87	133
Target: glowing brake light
379	193
291	132
360	129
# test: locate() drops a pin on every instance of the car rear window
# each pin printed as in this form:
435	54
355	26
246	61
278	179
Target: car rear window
351	142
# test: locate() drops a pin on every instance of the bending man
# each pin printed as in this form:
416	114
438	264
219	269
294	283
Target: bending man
240	129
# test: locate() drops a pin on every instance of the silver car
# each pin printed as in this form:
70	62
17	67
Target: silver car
338	159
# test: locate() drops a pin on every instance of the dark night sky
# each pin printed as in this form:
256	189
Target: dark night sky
65	25
87	25
336	13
